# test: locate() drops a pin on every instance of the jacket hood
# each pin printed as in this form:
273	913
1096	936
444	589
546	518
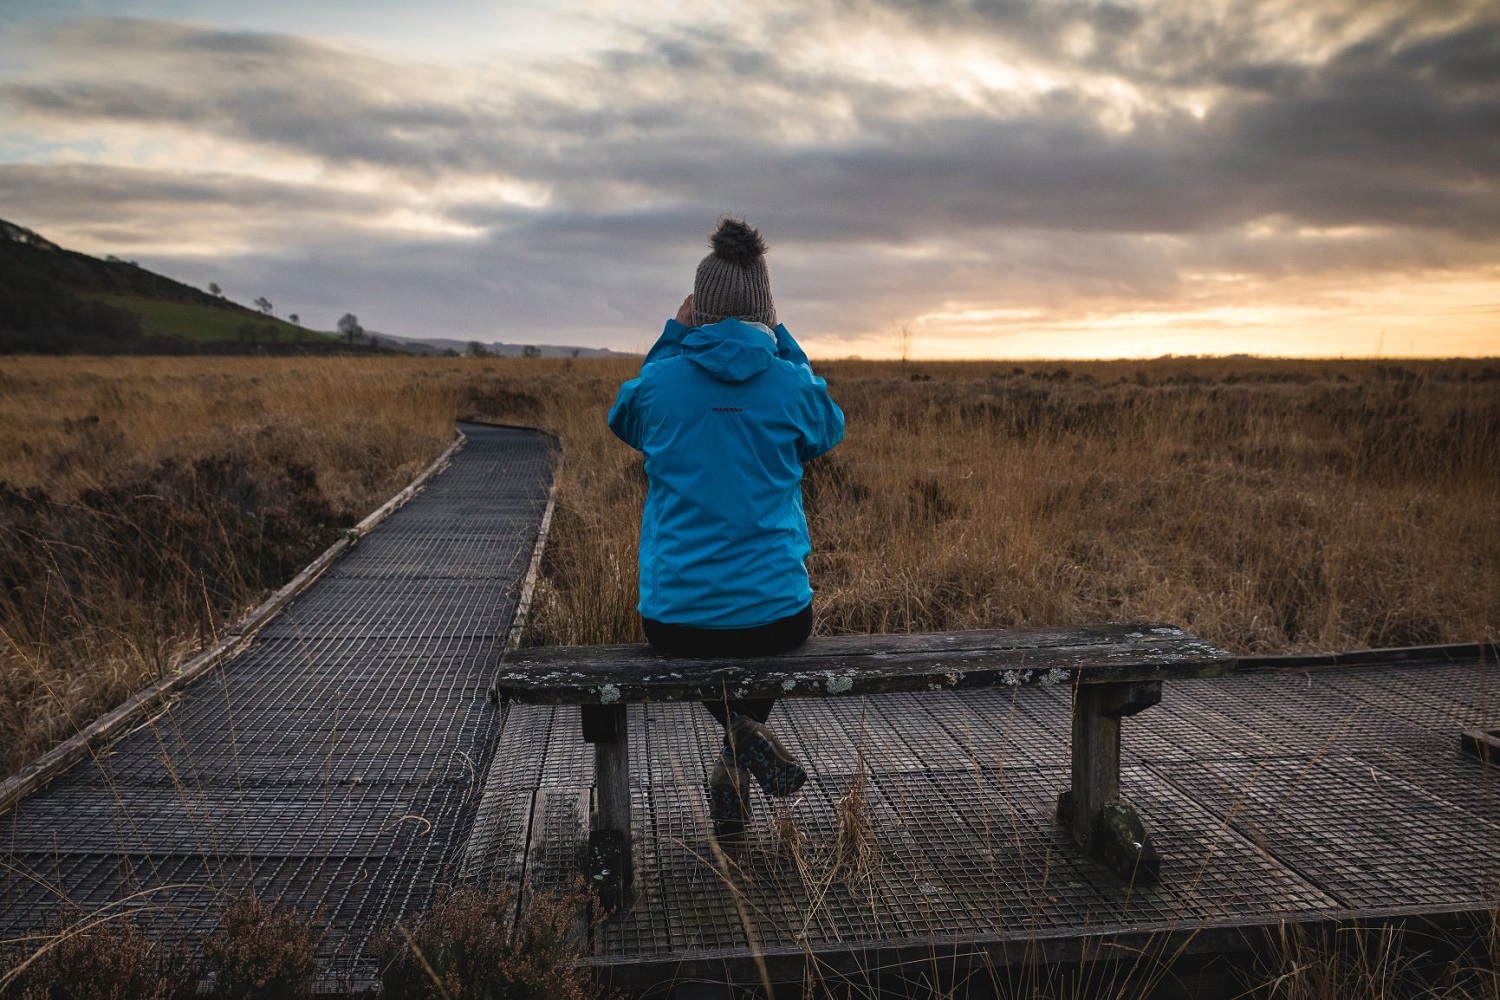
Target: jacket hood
731	350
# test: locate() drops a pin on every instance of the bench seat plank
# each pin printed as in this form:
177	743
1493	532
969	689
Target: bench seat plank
1113	653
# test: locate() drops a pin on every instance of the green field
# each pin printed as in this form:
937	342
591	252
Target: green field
205	323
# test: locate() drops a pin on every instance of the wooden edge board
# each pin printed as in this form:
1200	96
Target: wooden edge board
534	568
1464	652
44	769
965	953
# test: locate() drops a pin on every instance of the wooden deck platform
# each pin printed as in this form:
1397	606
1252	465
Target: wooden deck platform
1281	794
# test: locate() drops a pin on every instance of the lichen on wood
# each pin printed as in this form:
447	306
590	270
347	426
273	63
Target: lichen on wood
868	664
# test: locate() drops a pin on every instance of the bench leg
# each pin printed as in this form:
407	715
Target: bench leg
1100	823
608	862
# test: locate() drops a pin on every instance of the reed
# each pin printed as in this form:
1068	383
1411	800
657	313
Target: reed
1268	506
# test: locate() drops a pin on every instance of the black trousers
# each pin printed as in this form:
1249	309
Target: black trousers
762	640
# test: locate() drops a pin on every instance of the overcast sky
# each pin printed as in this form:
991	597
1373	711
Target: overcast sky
1004	178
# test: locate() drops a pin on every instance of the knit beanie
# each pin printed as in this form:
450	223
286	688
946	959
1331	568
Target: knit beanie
733	280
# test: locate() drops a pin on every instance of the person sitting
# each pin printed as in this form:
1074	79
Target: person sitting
726	409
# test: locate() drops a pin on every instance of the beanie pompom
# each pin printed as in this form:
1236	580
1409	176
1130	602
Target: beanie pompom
736	243
733	280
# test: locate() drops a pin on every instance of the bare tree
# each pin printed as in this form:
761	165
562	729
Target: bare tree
295	321
903	337
531	351
264	305
215	290
350	328
476	350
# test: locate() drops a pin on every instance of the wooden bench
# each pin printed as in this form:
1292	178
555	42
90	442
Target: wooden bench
1115	670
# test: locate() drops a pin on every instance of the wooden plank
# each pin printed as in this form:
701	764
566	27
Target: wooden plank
1106	633
556	831
1463	652
1096	760
868	664
977	958
612	772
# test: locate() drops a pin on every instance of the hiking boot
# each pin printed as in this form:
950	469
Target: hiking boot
727	805
756	749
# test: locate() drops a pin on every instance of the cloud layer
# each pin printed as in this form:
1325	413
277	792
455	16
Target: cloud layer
988	171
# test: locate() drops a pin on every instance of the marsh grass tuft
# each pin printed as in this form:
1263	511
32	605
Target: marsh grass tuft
262	950
1376	962
856	851
94	959
790	840
468	945
259	951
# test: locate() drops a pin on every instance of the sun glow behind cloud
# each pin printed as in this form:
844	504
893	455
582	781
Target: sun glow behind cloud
1426	317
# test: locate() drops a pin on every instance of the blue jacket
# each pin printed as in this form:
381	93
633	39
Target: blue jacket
726	414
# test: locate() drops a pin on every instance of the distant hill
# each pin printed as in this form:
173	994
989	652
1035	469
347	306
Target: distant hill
418	345
56	301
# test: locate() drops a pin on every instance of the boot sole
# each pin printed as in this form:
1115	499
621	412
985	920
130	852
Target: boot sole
777	775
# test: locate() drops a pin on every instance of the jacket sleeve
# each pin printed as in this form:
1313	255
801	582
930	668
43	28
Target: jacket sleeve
669	344
822	420
788	349
625	416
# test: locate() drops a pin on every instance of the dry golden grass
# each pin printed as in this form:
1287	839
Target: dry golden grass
367	425
1268	505
143	501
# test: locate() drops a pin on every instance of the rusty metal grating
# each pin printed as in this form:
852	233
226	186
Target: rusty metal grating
338	761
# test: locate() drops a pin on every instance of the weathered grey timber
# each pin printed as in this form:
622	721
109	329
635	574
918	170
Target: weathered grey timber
864	664
334	761
1091	808
1117	669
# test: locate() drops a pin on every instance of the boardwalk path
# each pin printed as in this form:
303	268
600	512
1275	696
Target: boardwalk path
1277	794
337	761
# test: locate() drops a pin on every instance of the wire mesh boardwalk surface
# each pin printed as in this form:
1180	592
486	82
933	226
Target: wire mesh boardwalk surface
336	762
1270	794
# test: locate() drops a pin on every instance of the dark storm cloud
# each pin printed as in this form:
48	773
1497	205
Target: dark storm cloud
1311	116
1396	127
1376	135
161	191
279	91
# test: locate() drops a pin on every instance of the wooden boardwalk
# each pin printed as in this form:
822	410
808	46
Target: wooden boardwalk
335	763
1276	794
